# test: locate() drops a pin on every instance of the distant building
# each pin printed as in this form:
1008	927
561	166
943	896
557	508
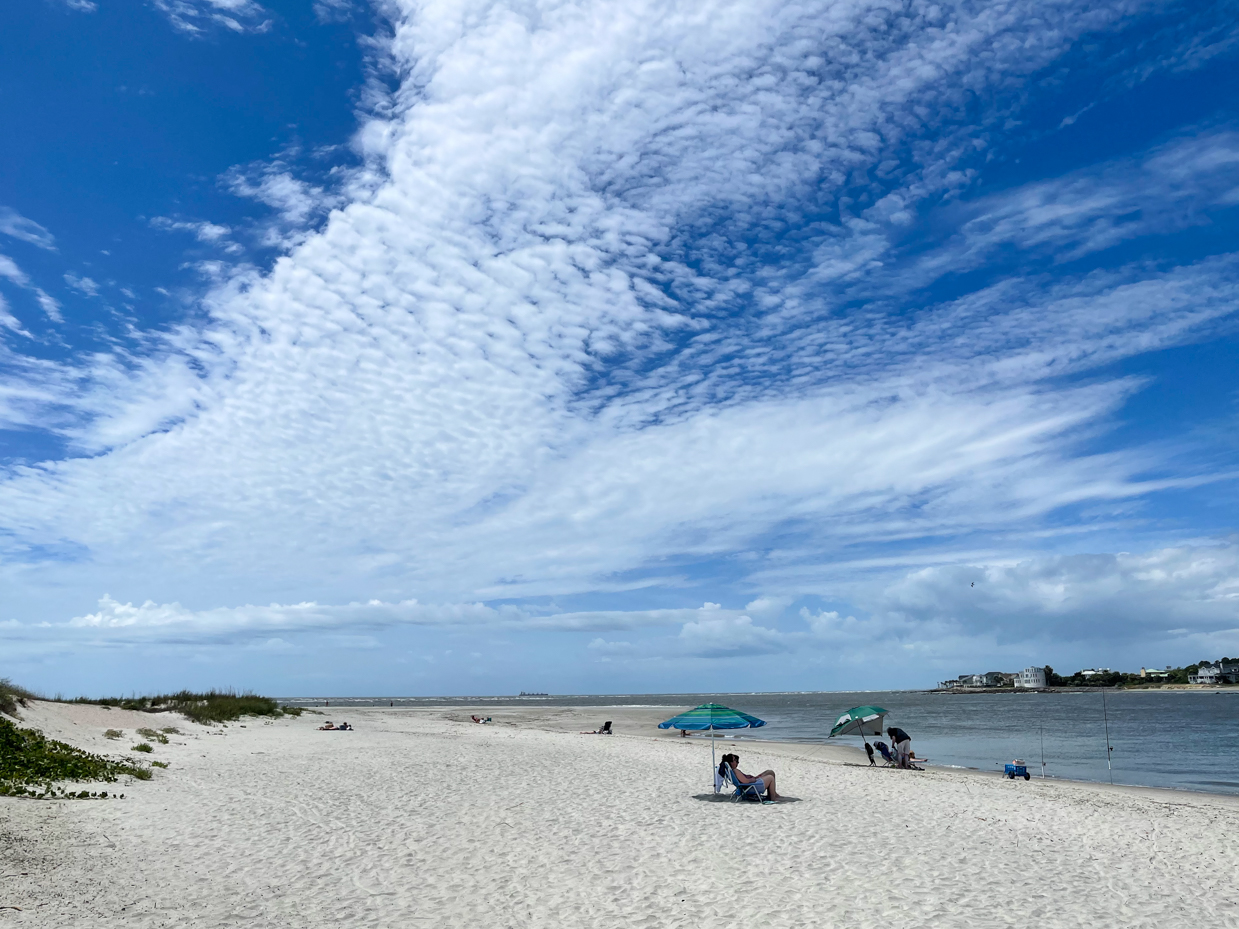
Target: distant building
1090	672
1156	675
1225	671
1032	678
988	679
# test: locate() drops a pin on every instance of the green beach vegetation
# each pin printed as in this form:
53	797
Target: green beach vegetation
12	696
212	706
31	764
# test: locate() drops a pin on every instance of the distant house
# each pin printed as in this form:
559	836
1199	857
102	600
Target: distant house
1090	672
1032	678
1225	671
988	679
1152	673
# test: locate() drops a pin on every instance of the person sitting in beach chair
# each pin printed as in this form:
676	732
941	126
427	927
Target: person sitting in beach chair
747	786
605	730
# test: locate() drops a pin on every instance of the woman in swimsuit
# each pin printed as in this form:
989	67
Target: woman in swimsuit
764	781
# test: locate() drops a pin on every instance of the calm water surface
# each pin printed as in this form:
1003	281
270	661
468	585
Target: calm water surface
1183	739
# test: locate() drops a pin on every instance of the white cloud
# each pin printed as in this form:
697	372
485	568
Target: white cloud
8	320
151	621
196	16
204	231
10	270
82	284
1168	188
332	11
1164	594
17	226
731	636
297	203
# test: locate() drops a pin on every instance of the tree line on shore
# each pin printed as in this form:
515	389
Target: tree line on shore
1108	678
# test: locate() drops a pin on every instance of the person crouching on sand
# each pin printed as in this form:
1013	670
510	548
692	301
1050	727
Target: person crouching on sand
764	781
902	745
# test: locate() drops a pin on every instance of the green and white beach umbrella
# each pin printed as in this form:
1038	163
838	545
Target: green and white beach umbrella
712	716
861	721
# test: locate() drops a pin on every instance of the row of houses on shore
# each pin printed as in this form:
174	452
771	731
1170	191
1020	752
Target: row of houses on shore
1030	678
1223	671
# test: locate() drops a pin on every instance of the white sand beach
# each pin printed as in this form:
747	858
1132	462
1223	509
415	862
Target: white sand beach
421	818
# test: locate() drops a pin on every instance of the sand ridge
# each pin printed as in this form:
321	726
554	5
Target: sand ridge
417	818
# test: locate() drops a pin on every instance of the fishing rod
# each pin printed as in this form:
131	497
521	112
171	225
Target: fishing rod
1109	748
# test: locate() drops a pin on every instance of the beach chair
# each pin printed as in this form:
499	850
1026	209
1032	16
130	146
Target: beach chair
606	728
887	755
743	791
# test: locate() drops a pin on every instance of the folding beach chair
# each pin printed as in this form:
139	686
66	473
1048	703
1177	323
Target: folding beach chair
606	728
887	755
743	791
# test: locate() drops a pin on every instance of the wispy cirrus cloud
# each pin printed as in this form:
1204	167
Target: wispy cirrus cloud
15	225
208	233
10	271
196	16
82	284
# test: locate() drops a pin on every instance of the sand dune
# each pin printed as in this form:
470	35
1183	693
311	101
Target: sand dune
417	818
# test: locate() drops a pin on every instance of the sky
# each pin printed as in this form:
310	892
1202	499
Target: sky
470	347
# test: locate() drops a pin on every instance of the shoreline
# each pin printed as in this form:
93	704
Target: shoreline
828	752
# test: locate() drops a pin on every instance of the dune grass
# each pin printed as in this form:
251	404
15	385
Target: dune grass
213	706
12	696
31	764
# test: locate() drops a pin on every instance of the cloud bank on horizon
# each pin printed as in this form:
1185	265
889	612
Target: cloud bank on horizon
883	331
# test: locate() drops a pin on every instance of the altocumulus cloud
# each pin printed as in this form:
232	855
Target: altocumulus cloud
620	305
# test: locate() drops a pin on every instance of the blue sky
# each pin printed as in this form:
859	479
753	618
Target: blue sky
453	347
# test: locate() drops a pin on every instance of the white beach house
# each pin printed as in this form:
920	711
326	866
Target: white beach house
1225	671
1031	678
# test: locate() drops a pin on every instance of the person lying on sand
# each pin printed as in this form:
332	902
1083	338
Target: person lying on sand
327	725
764	781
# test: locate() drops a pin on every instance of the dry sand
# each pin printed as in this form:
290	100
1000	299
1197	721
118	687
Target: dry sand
421	818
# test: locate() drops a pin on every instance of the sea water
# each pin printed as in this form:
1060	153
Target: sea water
1183	739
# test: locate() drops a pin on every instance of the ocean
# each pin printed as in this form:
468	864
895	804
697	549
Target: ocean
1183	739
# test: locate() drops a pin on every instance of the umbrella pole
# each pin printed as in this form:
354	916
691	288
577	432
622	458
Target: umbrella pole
713	763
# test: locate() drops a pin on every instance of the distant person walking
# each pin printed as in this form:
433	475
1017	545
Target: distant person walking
902	743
